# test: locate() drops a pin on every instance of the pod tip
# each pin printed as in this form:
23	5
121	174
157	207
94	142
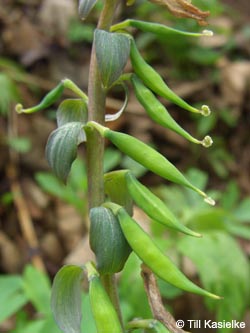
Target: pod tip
196	234
215	296
208	33
205	110
19	108
207	141
209	200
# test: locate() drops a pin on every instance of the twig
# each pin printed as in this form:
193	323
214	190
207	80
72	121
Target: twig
24	218
155	301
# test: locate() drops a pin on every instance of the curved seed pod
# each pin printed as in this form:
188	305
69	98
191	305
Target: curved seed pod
104	314
147	156
158	29
158	112
154	207
153	257
107	241
150	159
154	81
48	100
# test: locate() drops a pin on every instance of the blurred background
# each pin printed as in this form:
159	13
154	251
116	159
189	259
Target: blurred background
43	222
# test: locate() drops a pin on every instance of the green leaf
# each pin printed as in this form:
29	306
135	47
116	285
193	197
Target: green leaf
12	296
36	286
112	52
20	144
224	269
66	302
74	192
72	110
61	149
239	230
242	212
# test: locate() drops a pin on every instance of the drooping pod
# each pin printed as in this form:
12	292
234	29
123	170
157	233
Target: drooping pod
148	157
107	241
156	110
154	81
158	29
53	96
105	316
153	257
153	206
48	100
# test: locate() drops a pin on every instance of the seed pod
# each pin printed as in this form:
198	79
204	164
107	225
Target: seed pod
158	112
48	100
107	241
154	81
147	156
154	258
153	206
104	314
158	29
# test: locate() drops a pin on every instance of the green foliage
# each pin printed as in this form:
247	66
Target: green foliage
214	254
78	33
218	255
12	296
8	93
33	287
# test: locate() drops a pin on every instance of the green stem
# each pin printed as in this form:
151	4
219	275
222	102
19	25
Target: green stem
95	142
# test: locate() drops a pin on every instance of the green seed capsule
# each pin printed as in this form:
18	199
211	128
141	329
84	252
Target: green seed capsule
158	112
153	257
147	156
48	100
107	241
157	29
154	81
154	207
104	314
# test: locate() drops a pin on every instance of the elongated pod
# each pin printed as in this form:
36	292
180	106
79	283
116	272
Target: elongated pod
154	81
153	257
148	157
159	113
154	207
